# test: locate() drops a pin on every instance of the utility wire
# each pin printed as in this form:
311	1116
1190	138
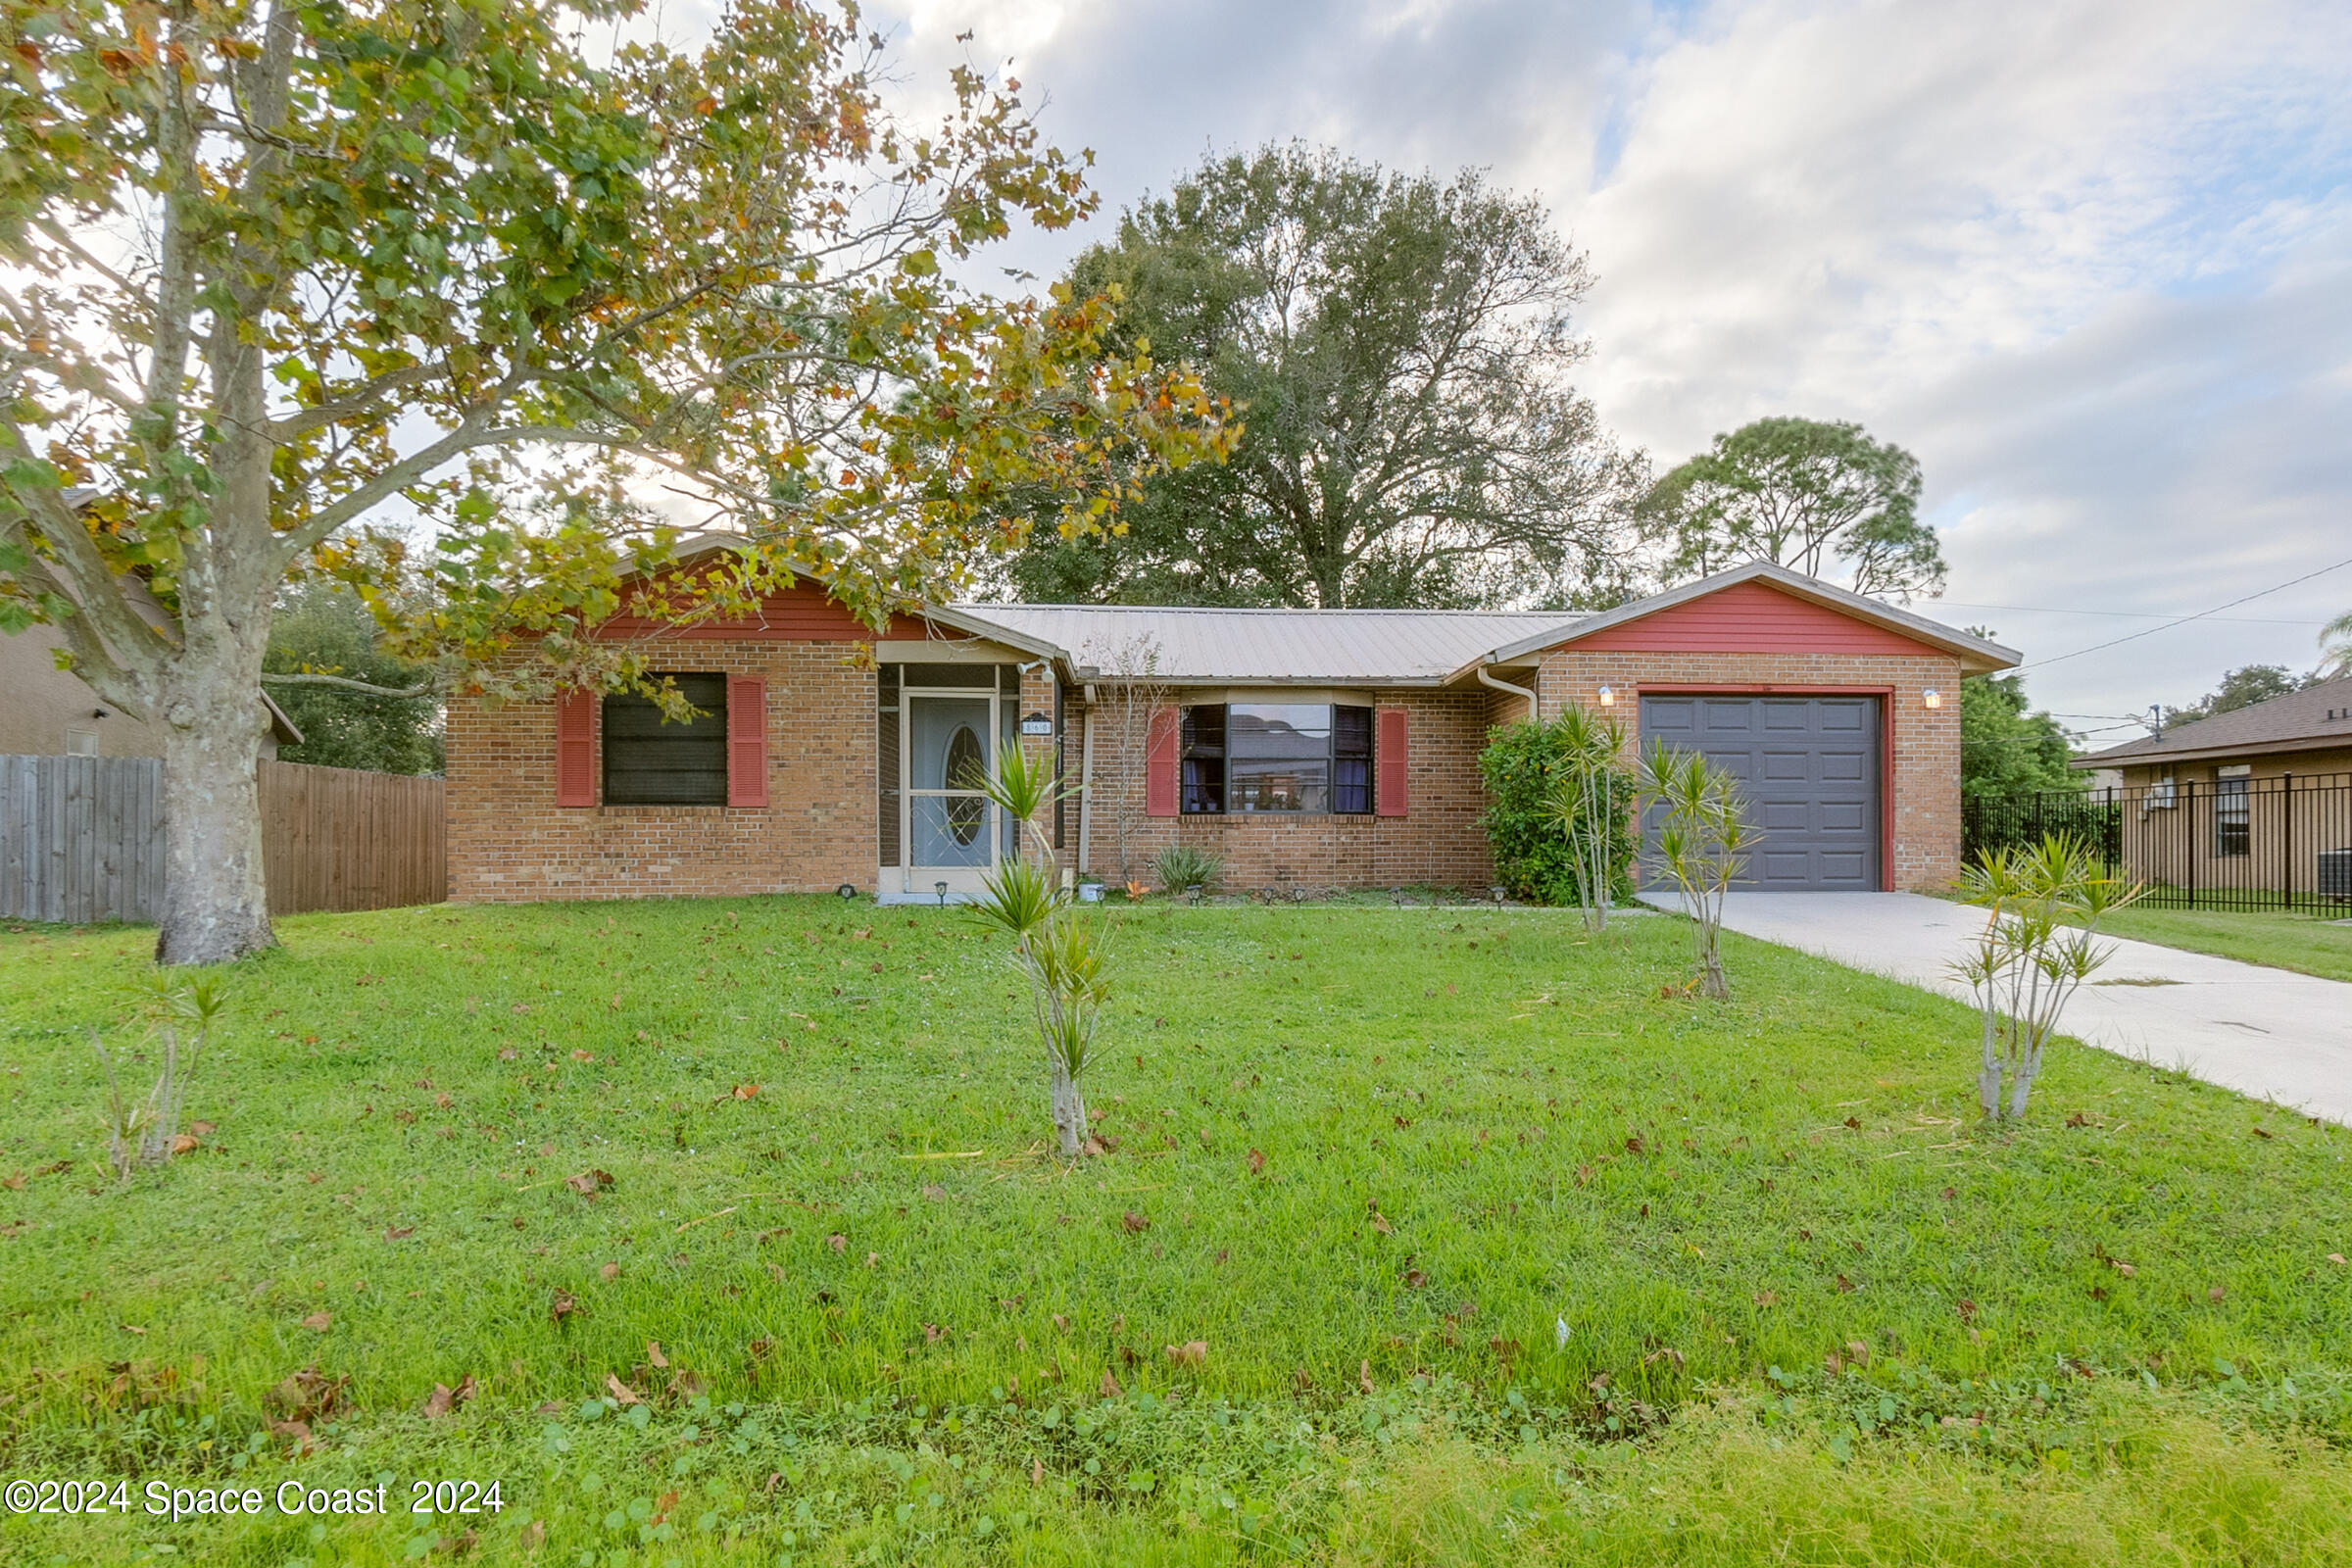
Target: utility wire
2201	615
2127	615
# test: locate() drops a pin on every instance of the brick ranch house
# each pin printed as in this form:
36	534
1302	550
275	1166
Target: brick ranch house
1311	747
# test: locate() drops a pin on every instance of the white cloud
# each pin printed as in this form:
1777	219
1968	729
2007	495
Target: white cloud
2092	261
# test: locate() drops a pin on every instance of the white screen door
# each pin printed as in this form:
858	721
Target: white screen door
951	837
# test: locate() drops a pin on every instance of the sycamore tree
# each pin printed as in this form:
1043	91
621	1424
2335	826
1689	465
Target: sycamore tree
275	276
1820	498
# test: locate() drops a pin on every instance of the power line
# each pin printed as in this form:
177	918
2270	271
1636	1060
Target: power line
2128	615
2201	615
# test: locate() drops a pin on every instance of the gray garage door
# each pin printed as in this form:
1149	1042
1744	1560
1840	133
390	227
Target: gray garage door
1809	768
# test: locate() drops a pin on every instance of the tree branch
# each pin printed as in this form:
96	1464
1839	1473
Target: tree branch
422	688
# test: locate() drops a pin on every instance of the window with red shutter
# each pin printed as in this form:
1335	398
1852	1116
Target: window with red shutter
575	749
747	741
1160	751
1390	752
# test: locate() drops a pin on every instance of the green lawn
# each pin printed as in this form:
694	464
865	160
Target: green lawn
1500	1247
2307	943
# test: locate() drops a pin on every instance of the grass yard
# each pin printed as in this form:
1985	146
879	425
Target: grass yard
2306	943
1426	1236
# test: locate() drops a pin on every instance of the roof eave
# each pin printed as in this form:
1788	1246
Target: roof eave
2206	753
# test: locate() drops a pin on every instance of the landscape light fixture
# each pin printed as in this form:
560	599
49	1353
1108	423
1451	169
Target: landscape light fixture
941	888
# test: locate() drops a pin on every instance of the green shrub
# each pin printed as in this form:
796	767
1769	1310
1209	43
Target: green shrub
1183	867
1534	854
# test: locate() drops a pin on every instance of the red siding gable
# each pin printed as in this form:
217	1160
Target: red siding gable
803	614
1749	617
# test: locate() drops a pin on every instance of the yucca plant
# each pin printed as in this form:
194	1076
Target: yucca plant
1703	843
1584	801
1183	867
2044	904
1064	958
180	1013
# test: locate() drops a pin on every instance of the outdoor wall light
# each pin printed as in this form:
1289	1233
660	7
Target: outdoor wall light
1931	698
1608	696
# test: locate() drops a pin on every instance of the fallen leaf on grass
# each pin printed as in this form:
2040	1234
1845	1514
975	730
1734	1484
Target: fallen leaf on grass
185	1143
445	1398
1134	1223
2214	1294
399	1233
1844	1284
621	1391
1414	1279
1363	1377
1257	1161
1190	1353
562	1307
935	1193
1109	1386
580	1054
652	1354
1767	1298
1968	1311
745	1091
2262	1131
202	1129
1857	1352
130	1328
589	1183
837	1242
2337	1259
317	1322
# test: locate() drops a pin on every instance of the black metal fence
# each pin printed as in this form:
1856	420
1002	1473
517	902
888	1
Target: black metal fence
2239	843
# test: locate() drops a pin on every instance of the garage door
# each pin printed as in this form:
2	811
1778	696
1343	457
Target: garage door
1809	768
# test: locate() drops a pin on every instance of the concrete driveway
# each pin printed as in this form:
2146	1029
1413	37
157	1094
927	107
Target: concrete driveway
2269	1033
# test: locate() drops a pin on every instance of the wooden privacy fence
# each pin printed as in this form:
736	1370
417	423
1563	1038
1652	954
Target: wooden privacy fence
81	837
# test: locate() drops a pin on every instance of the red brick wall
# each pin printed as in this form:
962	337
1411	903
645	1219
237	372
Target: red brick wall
1924	855
1439	843
508	840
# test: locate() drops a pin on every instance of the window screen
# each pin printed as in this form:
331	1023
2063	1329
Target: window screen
1352	760
2231	826
649	763
1204	760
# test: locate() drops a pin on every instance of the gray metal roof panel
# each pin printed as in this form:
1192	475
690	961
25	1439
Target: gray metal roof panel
1292	647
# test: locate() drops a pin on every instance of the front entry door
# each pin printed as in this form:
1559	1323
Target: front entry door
950	824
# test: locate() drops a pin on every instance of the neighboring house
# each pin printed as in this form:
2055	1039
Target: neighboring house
2306	732
49	712
2259	798
1311	747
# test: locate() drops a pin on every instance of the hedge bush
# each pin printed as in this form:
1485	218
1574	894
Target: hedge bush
1535	855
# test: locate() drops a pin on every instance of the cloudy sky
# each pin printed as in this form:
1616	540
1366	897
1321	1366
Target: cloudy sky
2092	261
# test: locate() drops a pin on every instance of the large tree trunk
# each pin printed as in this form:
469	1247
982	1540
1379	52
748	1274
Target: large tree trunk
215	903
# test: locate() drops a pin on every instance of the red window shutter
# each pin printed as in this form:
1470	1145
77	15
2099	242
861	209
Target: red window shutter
1390	749
747	741
1160	763
575	749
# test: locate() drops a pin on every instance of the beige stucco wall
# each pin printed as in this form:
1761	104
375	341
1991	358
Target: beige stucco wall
40	702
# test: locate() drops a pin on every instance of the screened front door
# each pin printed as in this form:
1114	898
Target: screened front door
951	826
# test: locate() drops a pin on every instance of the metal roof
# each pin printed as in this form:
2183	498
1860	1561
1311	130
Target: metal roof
1273	647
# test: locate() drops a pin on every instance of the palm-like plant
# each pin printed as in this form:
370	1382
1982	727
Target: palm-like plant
182	1013
2336	646
2043	907
1584	801
1705	840
1065	962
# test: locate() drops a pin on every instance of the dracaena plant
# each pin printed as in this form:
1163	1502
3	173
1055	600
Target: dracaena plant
1586	803
1063	954
182	1016
1703	843
2039	945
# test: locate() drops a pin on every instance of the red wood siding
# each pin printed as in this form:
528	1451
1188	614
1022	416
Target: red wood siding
1749	617
802	614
